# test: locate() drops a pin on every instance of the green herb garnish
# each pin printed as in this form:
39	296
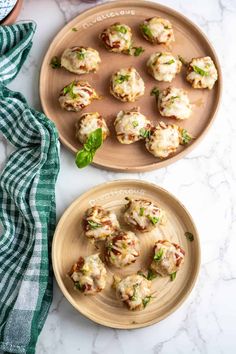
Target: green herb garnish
110	246
122	78
144	133
141	211
81	54
137	51
74	29
70	90
185	137
146	300
154	220
183	61
155	92
120	28
134	296
158	256
146	30
93	224
135	123
189	236
151	275
167	27
170	62
200	71
85	156
172	276
55	63
78	286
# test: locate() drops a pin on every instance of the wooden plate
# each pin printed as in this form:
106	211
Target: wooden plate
190	42
69	243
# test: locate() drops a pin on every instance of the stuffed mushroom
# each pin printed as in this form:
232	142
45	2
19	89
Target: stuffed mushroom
167	258
157	30
134	291
77	95
163	66
122	248
143	215
89	274
202	73
99	223
173	102
89	122
131	126
164	139
80	60
127	85
117	38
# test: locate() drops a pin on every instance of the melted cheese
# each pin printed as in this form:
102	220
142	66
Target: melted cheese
88	62
160	29
174	102
115	40
89	122
163	66
204	79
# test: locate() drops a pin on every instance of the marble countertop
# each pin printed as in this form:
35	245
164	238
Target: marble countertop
205	181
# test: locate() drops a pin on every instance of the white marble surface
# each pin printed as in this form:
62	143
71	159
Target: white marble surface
205	181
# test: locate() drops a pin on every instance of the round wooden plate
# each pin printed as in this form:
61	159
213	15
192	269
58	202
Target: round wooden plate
190	42
69	243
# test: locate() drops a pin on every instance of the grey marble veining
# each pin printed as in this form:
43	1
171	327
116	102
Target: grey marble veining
205	181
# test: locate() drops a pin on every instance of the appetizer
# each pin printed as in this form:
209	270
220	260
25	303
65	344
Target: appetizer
173	102
89	274
131	126
163	66
134	291
127	85
99	223
157	30
77	95
164	139
202	73
117	38
122	248
143	215
167	258
89	122
80	60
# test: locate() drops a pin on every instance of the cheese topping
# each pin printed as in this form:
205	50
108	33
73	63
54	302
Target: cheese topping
80	60
134	291
202	73
143	215
127	85
163	66
131	126
168	257
117	38
158	30
89	274
122	248
88	123
174	102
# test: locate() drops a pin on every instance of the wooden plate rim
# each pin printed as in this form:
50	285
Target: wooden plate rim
57	235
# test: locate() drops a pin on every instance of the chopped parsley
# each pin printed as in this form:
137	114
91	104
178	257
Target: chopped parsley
146	300
154	220
70	90
172	276
189	236
151	275
200	71
146	30
55	62
141	211
122	78
74	29
144	133
186	137
137	51
155	92
81	54
93	224
135	123
78	286
158	256
170	62
120	28
134	296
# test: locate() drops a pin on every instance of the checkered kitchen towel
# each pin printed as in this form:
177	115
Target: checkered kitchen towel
27	203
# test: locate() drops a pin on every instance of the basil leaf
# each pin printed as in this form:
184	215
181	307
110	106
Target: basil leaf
144	133
138	51
189	236
135	123
146	30
81	54
158	256
134	296
94	140
146	300
151	275
70	90
185	137
155	92
120	28
74	29
183	61
200	71
172	276
55	62
141	211
93	224
83	158
154	220
121	78
170	62
78	286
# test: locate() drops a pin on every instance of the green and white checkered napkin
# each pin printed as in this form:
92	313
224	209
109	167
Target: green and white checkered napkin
27	203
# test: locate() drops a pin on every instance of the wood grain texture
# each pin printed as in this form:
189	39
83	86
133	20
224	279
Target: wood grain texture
69	243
